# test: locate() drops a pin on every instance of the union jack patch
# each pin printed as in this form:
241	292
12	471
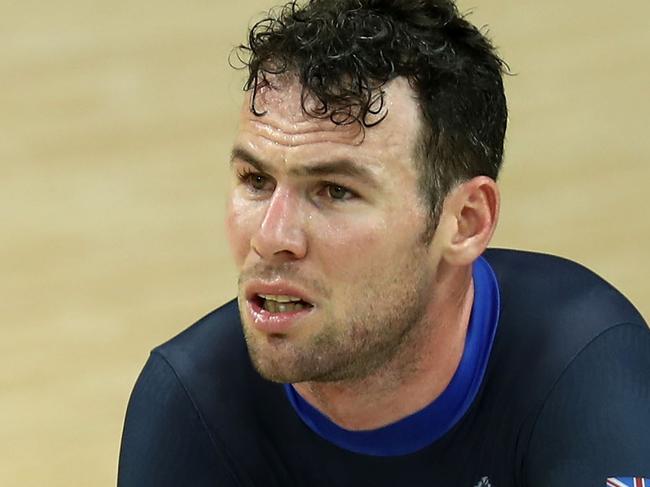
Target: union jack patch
628	482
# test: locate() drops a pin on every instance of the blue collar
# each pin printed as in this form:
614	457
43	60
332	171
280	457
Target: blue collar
424	427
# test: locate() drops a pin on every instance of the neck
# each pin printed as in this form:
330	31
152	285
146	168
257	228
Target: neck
416	375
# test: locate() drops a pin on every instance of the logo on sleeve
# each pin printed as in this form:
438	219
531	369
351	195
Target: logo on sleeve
485	482
628	482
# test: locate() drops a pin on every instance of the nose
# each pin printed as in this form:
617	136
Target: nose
281	233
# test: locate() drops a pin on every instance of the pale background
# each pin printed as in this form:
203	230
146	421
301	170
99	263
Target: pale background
115	124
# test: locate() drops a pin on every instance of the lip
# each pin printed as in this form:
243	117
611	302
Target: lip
275	323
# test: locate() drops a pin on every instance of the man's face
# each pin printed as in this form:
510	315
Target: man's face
326	228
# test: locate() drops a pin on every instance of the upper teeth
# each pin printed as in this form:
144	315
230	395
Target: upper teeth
280	298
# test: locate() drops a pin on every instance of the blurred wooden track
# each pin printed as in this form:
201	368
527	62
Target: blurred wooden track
115	124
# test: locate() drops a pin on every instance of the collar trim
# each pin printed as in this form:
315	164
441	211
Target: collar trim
426	426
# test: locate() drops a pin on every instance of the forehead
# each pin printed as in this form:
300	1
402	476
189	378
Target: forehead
285	125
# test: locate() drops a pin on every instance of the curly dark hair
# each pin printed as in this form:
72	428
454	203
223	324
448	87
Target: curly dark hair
345	51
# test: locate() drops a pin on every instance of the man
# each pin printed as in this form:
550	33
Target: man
375	341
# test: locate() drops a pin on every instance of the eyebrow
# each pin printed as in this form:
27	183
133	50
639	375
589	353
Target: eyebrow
342	167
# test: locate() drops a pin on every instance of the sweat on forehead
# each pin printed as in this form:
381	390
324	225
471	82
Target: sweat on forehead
283	99
283	110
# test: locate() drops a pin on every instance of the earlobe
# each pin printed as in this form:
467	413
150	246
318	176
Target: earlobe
473	209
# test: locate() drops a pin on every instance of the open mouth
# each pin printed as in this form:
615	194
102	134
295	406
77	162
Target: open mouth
278	303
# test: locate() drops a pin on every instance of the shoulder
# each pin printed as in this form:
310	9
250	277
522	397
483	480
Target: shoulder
195	414
544	287
595	421
550	309
209	367
211	361
565	337
214	342
176	427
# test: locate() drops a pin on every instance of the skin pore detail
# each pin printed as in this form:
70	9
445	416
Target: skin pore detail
323	214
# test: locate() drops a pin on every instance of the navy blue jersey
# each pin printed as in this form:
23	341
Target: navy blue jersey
553	390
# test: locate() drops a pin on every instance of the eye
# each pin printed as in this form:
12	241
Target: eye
255	181
337	192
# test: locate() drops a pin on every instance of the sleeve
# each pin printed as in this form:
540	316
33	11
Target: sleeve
595	423
165	442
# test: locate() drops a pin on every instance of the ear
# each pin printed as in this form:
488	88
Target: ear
470	213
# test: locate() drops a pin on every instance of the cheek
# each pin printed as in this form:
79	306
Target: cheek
239	228
351	248
374	245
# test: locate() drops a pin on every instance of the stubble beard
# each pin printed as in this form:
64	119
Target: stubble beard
381	326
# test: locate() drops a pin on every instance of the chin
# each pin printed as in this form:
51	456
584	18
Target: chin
273	371
270	356
287	366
